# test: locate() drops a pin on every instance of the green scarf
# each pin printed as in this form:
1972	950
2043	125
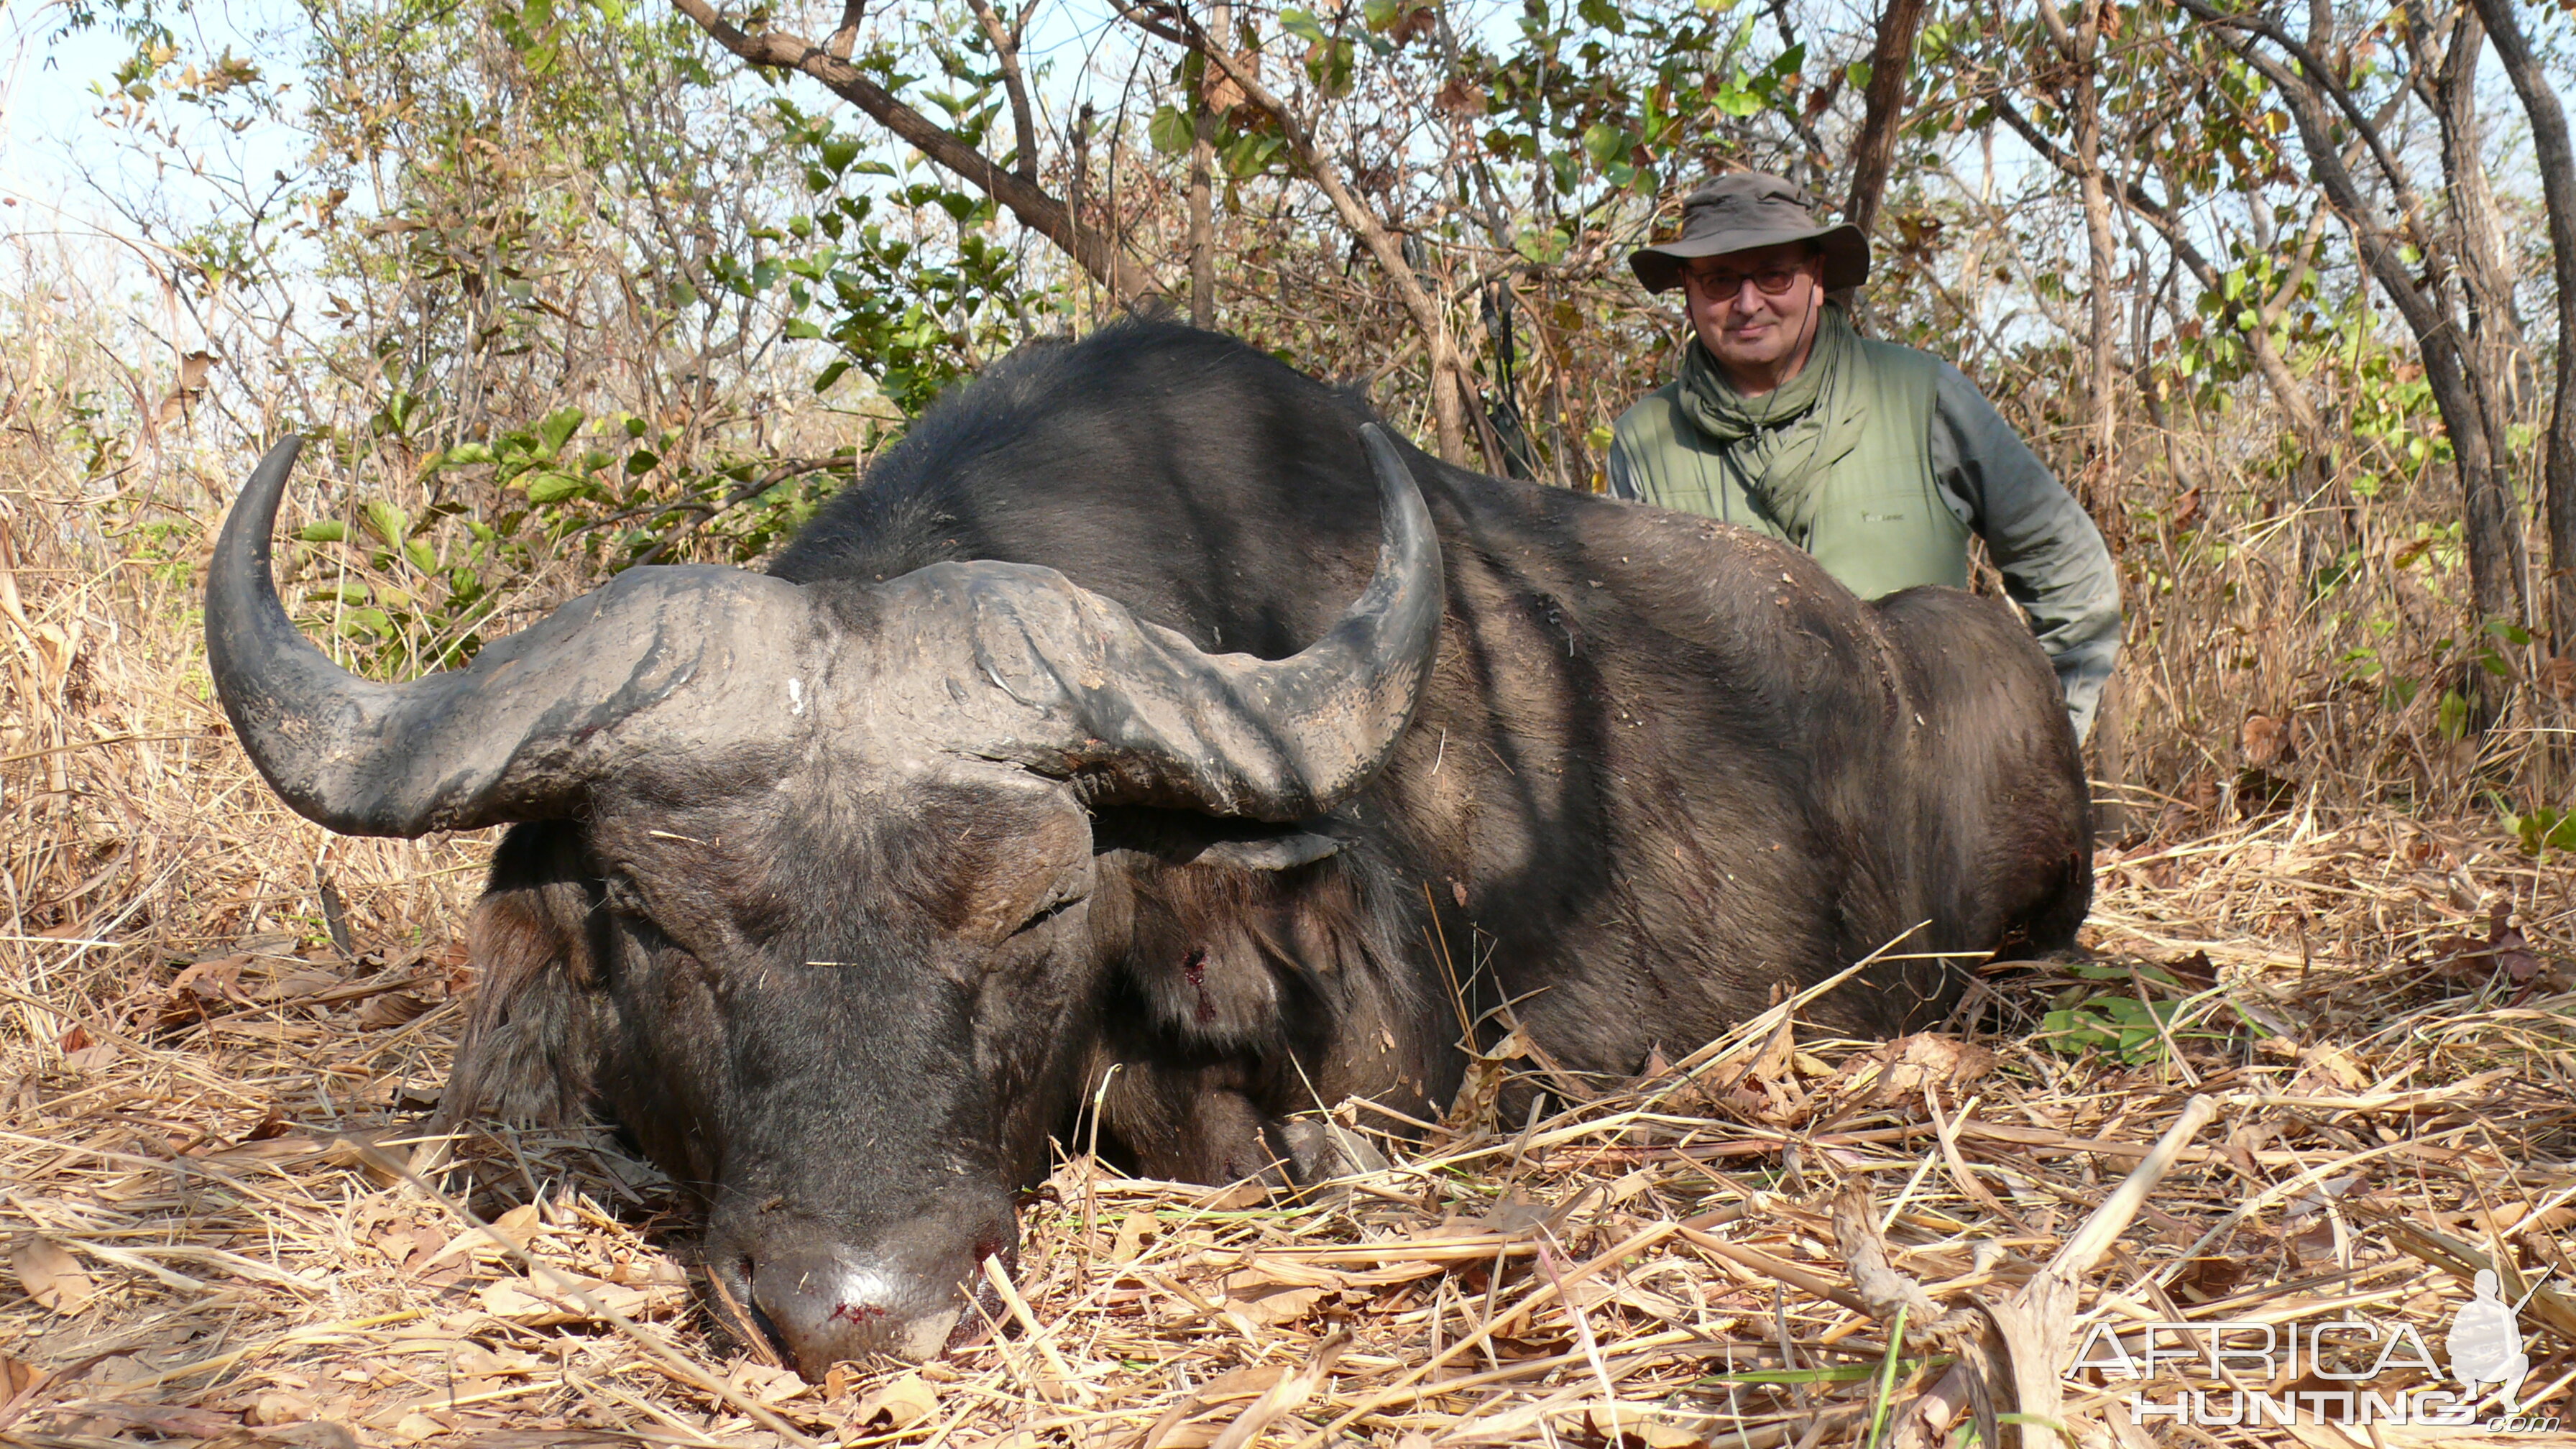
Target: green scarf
1781	446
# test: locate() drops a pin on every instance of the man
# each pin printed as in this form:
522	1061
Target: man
1877	459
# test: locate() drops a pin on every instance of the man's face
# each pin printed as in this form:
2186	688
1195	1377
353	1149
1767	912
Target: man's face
1751	329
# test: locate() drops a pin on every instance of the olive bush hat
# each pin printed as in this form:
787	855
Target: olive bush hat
1746	209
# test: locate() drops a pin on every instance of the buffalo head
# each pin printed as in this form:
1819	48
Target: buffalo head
802	880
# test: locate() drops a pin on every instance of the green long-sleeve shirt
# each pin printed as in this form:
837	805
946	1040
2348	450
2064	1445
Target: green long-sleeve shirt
2053	561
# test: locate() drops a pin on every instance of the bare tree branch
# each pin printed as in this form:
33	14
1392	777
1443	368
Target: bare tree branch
1202	239
1006	51
1452	390
1037	210
846	38
2492	519
2082	47
2292	394
2325	79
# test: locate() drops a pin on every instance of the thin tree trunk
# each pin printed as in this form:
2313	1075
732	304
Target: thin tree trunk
1202	213
2081	47
2557	165
1891	59
2479	257
2489	350
1205	117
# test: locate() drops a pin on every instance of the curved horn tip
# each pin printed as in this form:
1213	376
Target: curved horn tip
282	452
254	510
1382	451
265	672
1408	544
1407	513
275	467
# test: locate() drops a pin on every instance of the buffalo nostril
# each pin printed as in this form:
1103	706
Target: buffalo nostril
731	1282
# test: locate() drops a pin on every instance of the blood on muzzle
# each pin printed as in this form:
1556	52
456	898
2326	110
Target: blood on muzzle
909	1293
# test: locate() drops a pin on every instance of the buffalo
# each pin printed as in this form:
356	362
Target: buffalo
1147	725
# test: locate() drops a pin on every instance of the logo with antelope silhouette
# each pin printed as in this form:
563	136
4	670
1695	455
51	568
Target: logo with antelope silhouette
2348	1359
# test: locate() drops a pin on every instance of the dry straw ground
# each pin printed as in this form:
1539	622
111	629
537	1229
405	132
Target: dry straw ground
2321	1069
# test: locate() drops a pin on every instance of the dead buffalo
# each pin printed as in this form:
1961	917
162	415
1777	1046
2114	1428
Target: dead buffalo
1059	744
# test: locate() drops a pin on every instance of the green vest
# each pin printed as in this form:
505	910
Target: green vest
1881	525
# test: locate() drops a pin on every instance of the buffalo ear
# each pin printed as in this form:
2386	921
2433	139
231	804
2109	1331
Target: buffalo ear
1283	851
531	1047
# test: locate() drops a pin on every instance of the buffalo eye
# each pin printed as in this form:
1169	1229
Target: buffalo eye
1070	889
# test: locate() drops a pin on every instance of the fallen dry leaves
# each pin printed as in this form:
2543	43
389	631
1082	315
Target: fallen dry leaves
49	1275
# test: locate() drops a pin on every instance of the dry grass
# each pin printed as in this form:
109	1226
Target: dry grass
219	1230
206	1203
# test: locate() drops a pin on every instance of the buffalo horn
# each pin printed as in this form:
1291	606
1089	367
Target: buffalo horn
514	736
1134	713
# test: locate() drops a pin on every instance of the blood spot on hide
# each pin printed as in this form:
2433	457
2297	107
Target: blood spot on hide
855	1312
1194	971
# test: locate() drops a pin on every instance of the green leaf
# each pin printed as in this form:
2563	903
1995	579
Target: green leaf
2453	715
839	152
461	454
2562	836
389	523
642	460
1330	67
1250	154
1303	25
558	428
554	487
328	530
1170	131
1542	247
1733	99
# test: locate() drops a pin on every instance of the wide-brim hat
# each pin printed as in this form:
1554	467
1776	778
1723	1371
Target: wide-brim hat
1746	209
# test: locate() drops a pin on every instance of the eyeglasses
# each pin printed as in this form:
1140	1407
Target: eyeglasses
1727	286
